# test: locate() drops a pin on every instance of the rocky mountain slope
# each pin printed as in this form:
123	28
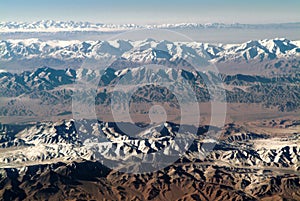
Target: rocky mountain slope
239	168
55	87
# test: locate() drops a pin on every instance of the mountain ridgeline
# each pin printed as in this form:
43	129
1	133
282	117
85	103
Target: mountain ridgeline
264	72
260	57
52	86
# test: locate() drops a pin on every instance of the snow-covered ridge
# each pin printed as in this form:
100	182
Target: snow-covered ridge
148	50
57	26
64	141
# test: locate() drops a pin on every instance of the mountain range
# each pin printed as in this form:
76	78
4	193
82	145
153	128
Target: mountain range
59	160
55	26
49	149
50	91
260	56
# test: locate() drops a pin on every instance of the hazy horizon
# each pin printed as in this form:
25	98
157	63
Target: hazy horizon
149	24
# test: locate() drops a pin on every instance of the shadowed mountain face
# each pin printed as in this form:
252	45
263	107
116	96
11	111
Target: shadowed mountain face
49	91
93	181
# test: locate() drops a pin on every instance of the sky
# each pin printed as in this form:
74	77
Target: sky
152	11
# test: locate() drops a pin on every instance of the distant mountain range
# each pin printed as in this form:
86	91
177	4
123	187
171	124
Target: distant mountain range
56	26
269	55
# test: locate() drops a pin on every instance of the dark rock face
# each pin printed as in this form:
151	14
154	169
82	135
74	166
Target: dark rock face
92	181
